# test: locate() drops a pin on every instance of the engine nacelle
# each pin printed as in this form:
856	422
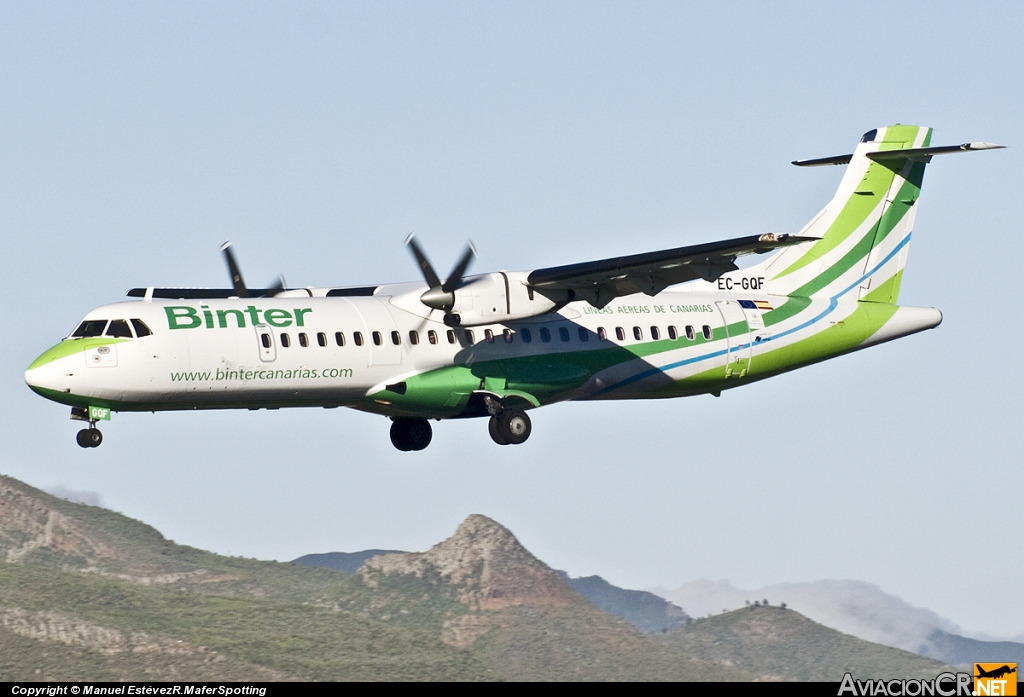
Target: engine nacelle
496	298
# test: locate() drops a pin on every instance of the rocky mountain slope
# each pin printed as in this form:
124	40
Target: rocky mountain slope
782	644
86	593
857	608
645	611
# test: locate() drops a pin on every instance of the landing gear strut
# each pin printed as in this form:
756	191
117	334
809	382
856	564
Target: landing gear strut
89	437
410	434
510	427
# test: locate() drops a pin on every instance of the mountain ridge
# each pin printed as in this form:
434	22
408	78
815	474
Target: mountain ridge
856	608
87	593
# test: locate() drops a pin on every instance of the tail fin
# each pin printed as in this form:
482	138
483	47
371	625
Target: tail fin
864	231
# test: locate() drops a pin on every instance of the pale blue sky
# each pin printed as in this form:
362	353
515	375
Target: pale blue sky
135	137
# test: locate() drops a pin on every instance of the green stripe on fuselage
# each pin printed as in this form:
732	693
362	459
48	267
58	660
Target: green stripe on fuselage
70	347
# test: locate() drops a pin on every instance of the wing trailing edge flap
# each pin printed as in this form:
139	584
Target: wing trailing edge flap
600	282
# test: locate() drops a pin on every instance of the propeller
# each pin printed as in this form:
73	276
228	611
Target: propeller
441	296
236	276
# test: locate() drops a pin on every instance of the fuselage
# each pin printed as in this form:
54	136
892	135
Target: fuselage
388	354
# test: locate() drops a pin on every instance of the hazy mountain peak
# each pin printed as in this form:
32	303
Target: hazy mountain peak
487	560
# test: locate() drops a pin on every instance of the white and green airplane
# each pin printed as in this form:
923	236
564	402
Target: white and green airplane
673	323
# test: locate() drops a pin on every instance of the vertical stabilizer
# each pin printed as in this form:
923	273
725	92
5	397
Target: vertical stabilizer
864	231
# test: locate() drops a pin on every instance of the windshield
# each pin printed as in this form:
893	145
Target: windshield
91	327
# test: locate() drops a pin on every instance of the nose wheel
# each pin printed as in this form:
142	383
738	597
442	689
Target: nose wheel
89	437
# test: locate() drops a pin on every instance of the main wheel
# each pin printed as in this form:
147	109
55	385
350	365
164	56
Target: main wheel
89	438
411	434
419	433
400	434
494	428
514	426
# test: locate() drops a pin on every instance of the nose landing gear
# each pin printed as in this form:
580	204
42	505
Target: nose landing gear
89	437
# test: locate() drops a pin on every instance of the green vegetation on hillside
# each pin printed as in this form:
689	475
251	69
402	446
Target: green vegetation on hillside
88	594
780	643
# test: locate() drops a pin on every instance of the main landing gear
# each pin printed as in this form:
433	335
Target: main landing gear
89	437
510	427
410	434
506	426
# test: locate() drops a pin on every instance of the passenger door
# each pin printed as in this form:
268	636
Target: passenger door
737	331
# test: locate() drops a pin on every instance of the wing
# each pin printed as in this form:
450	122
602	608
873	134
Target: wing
598	282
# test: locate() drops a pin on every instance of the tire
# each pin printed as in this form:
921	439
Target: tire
411	434
494	428
514	426
91	436
418	433
400	435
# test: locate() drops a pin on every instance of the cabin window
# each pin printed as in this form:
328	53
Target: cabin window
451	336
545	335
432	336
303	340
563	333
378	338
339	338
286	340
358	338
508	336
141	329
707	332
321	339
638	333
583	333
527	336
470	338
396	338
689	333
655	333
488	336
620	334
93	327
265	340
414	337
672	334
602	335
119	328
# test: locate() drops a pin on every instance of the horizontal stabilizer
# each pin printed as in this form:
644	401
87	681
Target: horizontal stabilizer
822	161
920	154
925	154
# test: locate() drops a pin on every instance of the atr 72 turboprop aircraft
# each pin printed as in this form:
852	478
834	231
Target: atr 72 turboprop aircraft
673	323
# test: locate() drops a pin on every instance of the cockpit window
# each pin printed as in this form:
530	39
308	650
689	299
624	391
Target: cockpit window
141	329
92	327
119	328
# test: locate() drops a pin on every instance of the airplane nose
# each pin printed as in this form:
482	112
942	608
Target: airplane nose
48	373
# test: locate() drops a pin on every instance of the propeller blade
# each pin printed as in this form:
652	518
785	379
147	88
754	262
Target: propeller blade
428	271
279	285
455	279
236	275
